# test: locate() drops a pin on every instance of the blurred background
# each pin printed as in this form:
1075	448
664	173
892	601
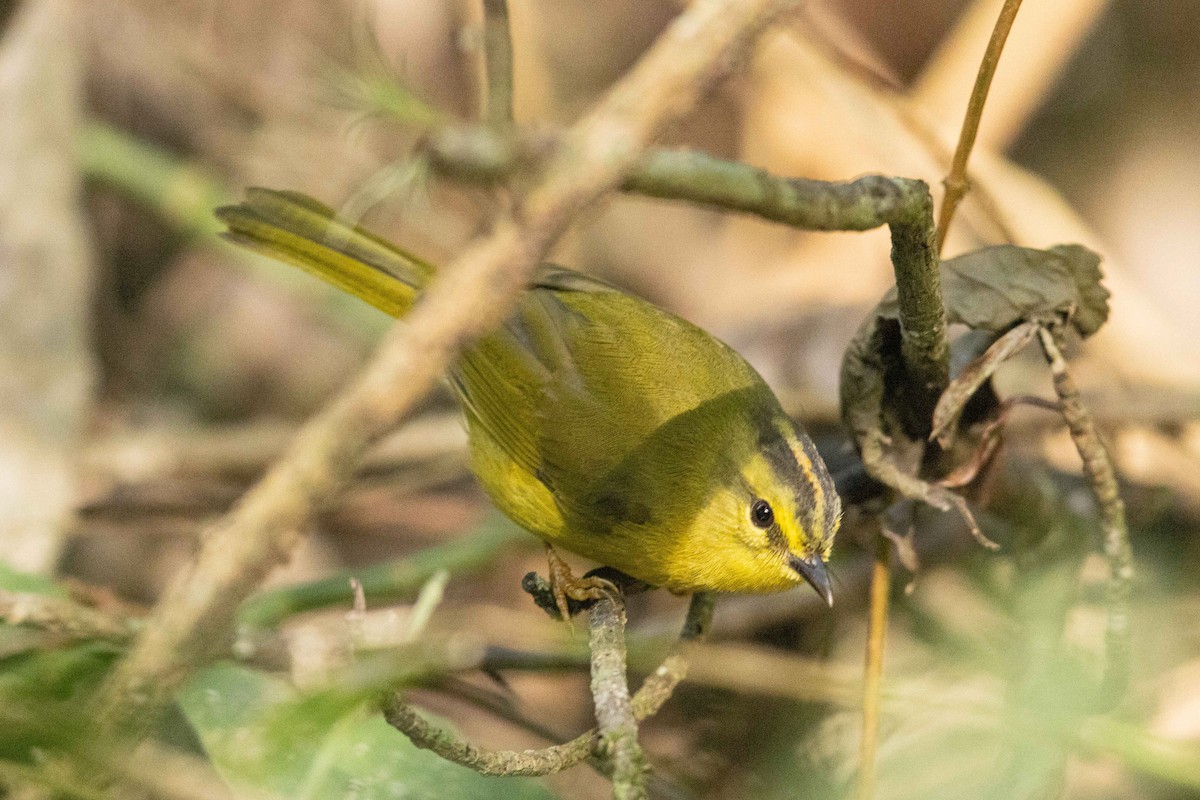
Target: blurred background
149	372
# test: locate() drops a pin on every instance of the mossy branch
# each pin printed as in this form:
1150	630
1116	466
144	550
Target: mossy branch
482	155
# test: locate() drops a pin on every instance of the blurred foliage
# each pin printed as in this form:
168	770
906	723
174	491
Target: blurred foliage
267	741
992	666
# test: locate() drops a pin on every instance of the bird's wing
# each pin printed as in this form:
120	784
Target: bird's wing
583	381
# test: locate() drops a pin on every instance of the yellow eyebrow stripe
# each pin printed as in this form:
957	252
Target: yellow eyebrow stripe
806	466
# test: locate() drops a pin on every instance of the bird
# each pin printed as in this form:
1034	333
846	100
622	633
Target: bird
599	422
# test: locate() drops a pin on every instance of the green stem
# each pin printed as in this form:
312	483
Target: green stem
498	63
956	182
184	194
395	580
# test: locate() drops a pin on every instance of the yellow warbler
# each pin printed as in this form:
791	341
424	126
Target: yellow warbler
600	422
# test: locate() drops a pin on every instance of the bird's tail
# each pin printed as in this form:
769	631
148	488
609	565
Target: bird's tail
298	230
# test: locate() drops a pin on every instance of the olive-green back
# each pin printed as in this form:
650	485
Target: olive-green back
578	384
584	386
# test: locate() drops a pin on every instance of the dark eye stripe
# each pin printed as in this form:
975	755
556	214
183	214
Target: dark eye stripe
783	461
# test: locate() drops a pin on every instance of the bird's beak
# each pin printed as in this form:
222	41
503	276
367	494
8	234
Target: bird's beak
813	570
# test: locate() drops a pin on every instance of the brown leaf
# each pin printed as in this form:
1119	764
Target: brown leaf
950	405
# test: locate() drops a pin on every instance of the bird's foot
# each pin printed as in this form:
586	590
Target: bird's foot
565	586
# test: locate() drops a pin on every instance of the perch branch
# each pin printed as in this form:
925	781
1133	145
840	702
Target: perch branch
646	702
618	742
194	617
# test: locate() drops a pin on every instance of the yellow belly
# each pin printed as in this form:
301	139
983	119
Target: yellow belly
675	557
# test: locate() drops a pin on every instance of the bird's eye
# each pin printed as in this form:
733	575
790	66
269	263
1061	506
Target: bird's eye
761	514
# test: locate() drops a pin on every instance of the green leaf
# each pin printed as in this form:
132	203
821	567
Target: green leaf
250	728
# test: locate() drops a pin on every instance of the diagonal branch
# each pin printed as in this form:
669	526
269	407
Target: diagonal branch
194	617
1102	478
956	181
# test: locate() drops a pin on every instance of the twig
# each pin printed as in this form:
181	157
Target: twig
873	686
498	63
614	709
547	761
956	182
1098	468
194	616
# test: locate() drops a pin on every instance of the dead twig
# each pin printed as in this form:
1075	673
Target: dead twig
1101	477
873	687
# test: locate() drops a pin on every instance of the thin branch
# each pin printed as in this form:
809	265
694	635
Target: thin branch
1101	477
498	63
194	617
547	761
956	182
614	709
481	155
